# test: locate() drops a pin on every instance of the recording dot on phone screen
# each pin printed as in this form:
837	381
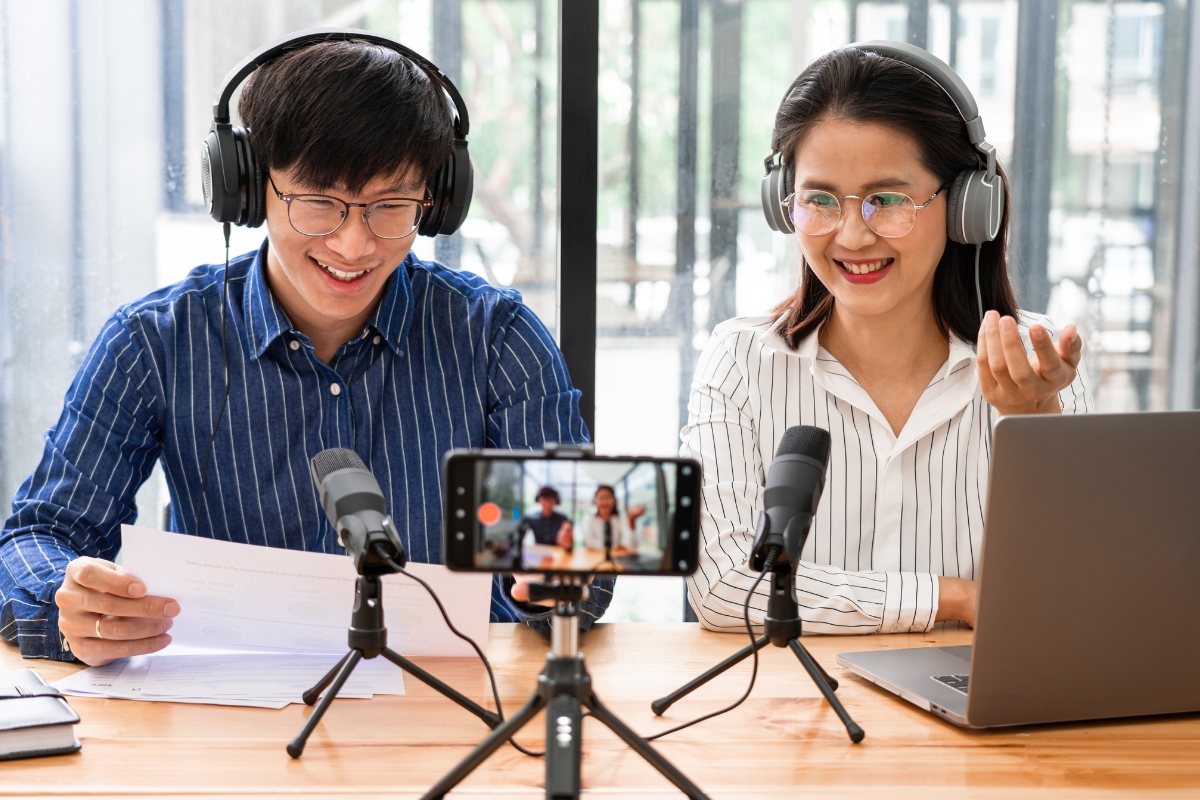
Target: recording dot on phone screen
489	513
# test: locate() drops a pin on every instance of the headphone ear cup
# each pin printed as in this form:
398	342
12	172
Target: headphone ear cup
776	186
451	191
256	185
974	207
220	174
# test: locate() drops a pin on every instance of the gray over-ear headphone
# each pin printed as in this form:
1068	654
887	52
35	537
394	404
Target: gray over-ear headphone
235	183
975	199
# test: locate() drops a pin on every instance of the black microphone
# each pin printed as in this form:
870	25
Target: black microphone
795	482
355	505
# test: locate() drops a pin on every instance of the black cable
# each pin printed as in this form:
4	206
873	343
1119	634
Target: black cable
379	551
768	565
225	398
979	302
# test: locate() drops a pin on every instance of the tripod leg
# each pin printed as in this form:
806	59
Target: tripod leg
296	746
662	704
563	748
819	678
642	748
493	742
489	718
312	694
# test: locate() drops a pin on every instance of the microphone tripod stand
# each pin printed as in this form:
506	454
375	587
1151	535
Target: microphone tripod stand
781	628
368	639
564	689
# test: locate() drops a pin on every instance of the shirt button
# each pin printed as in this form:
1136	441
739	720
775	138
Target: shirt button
295	345
335	389
378	339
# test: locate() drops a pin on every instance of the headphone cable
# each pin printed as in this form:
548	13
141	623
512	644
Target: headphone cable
979	302
225	397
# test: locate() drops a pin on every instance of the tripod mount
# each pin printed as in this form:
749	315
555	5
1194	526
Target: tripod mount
368	639
782	628
564	690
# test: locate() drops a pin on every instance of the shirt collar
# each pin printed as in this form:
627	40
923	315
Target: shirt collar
267	321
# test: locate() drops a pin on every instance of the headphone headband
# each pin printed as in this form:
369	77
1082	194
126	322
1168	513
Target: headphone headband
234	181
300	39
974	200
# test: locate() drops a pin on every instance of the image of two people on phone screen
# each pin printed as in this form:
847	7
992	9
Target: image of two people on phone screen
603	526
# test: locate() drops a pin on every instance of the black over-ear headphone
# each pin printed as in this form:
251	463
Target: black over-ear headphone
235	183
975	200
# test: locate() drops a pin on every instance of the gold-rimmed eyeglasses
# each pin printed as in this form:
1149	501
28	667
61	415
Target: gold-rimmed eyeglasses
889	214
321	215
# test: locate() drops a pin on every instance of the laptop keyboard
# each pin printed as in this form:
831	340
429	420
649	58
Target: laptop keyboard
956	682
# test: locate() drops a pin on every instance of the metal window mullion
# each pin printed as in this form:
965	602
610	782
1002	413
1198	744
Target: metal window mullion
578	118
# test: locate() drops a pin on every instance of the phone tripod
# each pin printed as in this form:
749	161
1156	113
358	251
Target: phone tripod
368	639
564	689
781	628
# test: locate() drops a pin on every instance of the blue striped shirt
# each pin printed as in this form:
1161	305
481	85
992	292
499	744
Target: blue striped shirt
446	360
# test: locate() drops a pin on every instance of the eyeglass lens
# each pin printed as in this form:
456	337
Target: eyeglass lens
318	215
889	214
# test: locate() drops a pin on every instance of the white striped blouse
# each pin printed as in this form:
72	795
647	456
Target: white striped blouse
897	511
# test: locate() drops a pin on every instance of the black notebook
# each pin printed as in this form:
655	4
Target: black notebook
35	720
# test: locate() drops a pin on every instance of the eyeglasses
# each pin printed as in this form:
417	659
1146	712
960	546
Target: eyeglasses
889	214
321	215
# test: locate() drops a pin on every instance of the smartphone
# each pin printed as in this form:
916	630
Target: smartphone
570	512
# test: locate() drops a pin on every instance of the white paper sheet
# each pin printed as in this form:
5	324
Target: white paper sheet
266	680
246	598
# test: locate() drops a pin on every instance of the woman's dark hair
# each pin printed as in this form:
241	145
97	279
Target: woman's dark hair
344	113
858	86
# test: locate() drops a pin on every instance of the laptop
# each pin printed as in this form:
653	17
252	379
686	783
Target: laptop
1089	598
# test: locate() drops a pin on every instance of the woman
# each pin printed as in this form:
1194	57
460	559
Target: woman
606	529
876	346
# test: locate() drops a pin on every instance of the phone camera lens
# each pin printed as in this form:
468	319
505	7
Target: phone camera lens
685	501
460	513
684	535
460	536
686	470
462	490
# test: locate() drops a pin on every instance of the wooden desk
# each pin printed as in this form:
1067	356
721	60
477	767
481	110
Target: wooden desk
783	737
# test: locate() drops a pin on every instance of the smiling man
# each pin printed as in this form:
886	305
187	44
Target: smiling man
336	336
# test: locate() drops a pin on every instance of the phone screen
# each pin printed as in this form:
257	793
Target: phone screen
572	515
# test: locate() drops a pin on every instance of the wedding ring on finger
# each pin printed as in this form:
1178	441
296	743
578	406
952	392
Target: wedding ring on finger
99	635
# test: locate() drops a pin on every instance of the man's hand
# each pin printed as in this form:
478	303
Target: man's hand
956	599
520	590
566	536
1013	381
105	614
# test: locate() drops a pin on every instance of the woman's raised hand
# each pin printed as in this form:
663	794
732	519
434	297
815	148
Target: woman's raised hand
1015	382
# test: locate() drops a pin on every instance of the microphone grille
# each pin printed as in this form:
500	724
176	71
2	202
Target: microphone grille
332	460
805	440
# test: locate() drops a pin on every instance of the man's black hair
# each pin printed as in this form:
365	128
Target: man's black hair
548	491
341	114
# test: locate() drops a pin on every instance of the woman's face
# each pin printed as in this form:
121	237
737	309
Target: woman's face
605	503
867	274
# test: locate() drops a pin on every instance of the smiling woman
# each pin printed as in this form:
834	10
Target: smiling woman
883	346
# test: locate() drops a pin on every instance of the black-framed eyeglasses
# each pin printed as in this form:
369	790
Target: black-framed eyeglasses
889	214
321	214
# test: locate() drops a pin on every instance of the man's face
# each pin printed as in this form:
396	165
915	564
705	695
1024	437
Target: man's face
322	281
547	504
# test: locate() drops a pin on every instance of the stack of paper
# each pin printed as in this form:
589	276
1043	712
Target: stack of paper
258	626
264	680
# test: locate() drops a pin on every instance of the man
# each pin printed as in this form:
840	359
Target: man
549	527
336	338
